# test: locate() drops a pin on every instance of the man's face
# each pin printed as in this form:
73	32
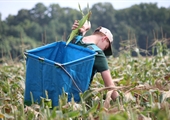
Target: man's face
104	43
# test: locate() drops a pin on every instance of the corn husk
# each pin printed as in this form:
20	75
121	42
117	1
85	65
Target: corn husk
85	19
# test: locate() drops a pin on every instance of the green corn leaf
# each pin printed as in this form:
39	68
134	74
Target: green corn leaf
81	23
72	114
80	10
91	110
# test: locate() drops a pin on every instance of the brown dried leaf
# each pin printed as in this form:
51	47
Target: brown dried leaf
129	97
7	108
116	109
118	79
167	77
166	94
158	84
142	117
31	110
165	105
108	99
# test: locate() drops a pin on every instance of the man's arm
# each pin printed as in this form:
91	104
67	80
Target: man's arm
109	83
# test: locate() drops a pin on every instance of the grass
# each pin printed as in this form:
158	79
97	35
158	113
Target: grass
143	84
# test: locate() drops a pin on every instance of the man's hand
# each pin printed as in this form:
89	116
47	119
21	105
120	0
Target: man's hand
84	28
109	83
114	95
75	25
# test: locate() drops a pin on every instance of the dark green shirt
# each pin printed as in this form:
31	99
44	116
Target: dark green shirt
100	63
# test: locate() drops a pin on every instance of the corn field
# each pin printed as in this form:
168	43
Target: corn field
142	82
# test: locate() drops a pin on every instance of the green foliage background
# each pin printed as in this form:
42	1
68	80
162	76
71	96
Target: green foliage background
45	24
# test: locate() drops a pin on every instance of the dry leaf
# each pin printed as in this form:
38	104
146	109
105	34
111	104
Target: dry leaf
142	117
166	94
129	97
118	79
108	99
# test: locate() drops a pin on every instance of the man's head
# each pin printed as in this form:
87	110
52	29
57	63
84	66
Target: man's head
107	39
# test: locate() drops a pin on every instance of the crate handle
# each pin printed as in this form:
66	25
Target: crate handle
58	64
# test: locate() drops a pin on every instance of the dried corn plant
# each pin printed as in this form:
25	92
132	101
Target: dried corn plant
142	82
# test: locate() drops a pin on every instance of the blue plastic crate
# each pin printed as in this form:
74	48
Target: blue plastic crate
56	66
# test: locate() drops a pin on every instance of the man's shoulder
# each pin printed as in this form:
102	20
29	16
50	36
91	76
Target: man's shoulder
94	47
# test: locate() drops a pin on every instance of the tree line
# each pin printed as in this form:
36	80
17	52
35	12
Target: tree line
139	24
